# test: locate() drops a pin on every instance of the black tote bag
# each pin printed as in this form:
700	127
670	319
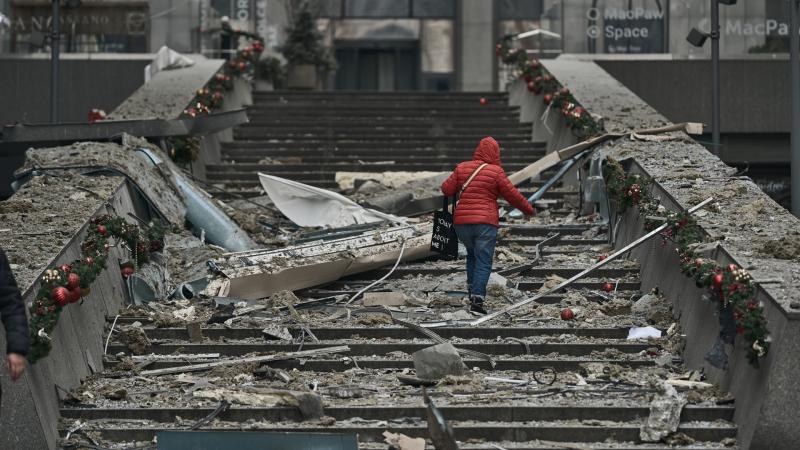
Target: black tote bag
444	239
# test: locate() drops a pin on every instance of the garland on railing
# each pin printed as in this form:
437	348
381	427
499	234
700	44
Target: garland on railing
68	283
540	82
184	150
730	285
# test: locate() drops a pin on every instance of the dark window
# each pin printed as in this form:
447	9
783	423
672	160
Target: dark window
325	8
433	8
377	8
519	9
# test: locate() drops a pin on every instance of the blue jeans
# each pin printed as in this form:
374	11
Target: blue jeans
479	239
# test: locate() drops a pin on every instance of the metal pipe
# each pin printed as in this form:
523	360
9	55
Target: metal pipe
585	272
203	214
55	47
795	71
715	107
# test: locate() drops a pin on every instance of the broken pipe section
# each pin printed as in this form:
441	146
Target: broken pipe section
204	215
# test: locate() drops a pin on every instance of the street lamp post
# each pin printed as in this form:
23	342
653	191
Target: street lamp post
55	44
715	112
794	60
698	38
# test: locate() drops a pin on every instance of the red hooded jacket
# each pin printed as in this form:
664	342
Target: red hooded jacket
478	203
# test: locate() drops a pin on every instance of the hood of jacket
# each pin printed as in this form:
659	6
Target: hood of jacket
488	151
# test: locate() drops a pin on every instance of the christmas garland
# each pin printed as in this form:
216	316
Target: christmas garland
731	285
68	283
540	82
184	150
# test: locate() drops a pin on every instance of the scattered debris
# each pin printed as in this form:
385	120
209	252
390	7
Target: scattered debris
665	415
438	361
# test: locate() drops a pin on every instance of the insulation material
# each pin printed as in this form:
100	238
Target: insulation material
392	179
310	206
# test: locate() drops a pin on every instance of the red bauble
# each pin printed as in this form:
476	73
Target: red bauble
578	111
531	86
751	306
483	101
535	64
74	294
65	268
102	230
567	314
497	49
89	260
60	295
602	257
563	91
698	262
732	267
608	287
716	281
241	66
548	98
548	78
126	272
258	46
73	281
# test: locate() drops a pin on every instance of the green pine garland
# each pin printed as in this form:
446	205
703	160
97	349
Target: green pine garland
68	283
540	82
730	285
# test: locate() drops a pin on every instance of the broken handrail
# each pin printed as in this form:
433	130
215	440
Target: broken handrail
440	340
519	269
585	272
565	167
254	359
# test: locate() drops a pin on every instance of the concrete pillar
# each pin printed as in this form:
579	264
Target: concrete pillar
476	45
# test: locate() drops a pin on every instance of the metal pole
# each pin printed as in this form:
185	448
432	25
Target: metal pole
55	45
715	69
794	61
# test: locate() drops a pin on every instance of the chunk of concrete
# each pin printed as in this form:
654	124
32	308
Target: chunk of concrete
438	361
385	299
665	415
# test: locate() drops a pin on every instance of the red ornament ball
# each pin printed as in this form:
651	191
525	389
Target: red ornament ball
89	260
548	98
531	86
498	48
74	295
241	66
60	295
73	281
716	281
563	91
567	314
535	64
732	267
102	230
483	101
607	287
65	268
126	272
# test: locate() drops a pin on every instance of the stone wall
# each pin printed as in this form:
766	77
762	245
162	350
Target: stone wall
29	412
746	222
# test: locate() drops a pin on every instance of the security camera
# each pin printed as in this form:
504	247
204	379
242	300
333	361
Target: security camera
697	37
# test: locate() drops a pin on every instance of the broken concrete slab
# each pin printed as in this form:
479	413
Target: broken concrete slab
258	274
384	299
399	441
438	361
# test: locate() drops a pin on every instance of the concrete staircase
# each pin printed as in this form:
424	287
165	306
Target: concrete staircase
308	137
579	410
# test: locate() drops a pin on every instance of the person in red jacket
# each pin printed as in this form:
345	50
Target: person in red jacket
476	219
